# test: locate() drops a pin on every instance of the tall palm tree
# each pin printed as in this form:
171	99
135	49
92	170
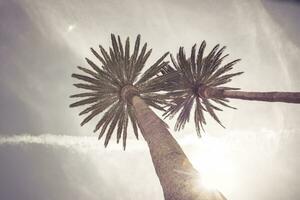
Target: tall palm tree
200	80
119	91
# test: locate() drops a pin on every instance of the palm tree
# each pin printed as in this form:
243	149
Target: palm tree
119	91
200	82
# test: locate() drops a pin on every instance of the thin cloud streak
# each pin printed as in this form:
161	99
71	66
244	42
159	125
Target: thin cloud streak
77	143
265	139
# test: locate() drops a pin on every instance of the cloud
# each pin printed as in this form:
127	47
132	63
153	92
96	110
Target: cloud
78	143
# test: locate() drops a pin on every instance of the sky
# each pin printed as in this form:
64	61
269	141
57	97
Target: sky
45	154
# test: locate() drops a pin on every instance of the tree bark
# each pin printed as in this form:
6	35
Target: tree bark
177	176
287	97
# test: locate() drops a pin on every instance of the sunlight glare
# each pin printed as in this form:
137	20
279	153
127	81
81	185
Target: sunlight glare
71	27
211	158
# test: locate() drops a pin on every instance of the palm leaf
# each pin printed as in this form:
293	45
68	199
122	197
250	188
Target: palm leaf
84	102
194	75
103	86
133	122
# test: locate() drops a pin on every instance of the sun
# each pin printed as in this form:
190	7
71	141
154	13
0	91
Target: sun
213	160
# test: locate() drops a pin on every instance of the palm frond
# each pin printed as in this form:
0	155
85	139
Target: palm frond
199	117
194	74
184	115
133	121
113	125
106	119
154	69
125	129
85	94
103	86
95	109
84	101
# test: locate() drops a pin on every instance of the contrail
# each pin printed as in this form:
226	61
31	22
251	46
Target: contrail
78	143
234	139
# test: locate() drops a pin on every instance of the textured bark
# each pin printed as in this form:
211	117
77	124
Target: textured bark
178	178
287	97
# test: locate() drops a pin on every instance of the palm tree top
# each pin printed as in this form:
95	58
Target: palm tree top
107	87
195	74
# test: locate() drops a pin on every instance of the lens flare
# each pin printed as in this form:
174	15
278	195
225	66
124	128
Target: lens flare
216	167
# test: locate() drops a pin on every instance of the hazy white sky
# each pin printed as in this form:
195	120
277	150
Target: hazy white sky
41	42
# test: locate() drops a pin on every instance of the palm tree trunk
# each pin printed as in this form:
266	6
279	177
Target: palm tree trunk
287	97
178	178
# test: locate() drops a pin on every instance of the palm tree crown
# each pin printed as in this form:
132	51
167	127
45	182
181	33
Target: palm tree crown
106	85
195	75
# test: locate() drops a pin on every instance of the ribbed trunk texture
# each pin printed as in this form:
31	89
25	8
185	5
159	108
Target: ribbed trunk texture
176	174
287	97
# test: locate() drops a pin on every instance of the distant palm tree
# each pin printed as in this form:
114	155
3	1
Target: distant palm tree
200	80
118	88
